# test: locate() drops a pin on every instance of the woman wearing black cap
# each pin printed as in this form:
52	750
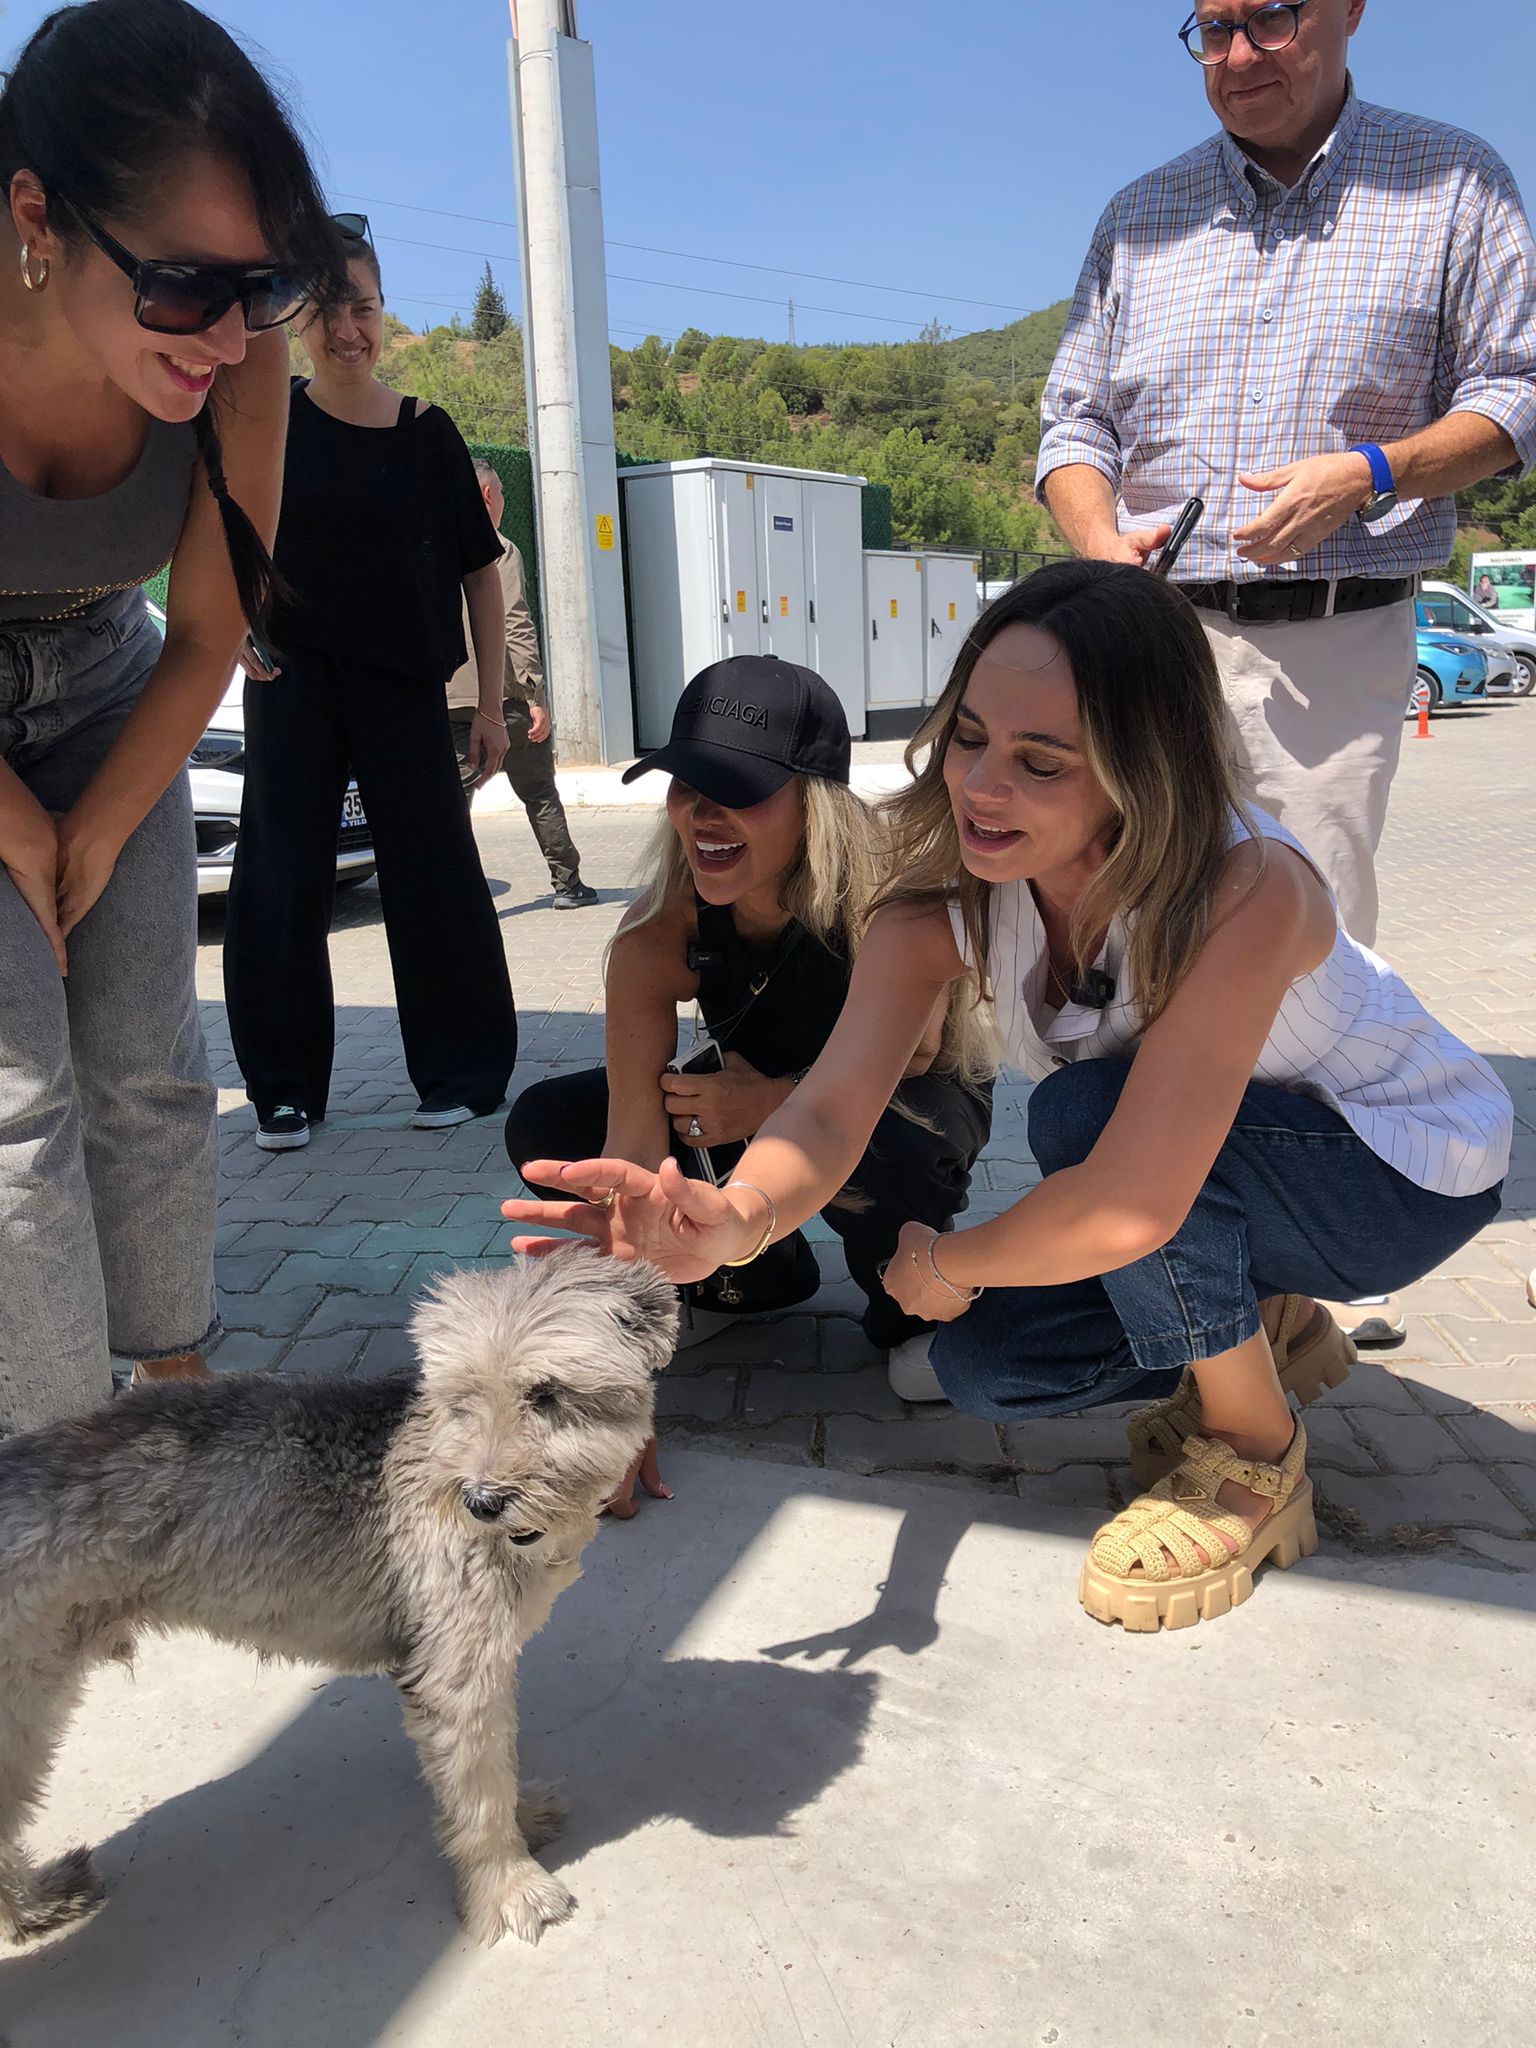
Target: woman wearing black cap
763	872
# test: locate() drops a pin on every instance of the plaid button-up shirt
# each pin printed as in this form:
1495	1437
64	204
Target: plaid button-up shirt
1225	323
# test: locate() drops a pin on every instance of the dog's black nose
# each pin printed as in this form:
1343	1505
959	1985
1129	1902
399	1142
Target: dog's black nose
484	1504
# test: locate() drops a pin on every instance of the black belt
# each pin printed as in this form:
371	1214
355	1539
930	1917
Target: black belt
1287	602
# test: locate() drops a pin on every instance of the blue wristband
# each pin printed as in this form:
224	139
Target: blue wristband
1381	469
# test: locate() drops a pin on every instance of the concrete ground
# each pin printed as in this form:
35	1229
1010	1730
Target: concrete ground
847	1762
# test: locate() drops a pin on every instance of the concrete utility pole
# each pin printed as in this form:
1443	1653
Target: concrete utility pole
570	389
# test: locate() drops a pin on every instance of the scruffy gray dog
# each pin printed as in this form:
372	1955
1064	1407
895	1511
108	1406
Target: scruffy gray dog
421	1526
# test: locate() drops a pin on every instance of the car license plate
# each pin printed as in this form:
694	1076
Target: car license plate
352	813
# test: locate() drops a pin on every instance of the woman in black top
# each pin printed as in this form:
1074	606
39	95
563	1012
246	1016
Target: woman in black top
382	526
765	867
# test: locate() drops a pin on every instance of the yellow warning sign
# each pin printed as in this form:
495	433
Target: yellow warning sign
751	481
917	564
951	611
605	532
894	609
783	607
741	600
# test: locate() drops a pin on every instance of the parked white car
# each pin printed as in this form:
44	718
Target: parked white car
1458	613
217	774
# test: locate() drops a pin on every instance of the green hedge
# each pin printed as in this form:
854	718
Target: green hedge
878	531
515	468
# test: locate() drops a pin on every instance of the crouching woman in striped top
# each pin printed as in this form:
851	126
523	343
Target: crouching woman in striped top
1238	1110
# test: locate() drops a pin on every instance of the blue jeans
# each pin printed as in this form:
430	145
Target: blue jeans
108	1142
1295	1204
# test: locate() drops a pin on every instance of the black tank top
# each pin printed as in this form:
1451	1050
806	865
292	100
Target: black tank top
775	1005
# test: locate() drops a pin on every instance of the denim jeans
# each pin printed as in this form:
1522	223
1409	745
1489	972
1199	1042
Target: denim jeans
1295	1204
108	1147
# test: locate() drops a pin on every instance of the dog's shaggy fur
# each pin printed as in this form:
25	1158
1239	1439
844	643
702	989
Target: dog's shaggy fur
421	1526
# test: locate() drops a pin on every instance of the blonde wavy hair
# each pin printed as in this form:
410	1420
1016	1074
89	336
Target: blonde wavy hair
1155	736
830	889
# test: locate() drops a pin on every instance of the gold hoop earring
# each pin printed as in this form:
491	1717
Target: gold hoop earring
39	283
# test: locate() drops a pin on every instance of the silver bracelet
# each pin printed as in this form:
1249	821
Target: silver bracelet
959	1293
487	719
773	1221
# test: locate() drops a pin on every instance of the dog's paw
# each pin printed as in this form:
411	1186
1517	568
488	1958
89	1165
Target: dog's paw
522	1901
52	1897
541	1813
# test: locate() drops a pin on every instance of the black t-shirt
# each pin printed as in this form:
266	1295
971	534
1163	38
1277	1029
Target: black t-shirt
378	527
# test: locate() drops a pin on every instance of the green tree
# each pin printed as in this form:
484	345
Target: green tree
786	371
489	317
650	375
688	348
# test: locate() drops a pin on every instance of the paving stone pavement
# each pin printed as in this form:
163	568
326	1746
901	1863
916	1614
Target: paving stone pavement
321	1253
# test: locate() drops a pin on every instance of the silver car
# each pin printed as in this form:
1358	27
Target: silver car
1459	613
217	774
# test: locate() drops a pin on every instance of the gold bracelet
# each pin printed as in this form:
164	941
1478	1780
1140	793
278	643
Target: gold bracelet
773	1221
487	719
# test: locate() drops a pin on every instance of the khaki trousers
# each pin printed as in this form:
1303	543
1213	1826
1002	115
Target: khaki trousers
1318	712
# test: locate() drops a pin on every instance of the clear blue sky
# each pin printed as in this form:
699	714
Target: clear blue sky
942	148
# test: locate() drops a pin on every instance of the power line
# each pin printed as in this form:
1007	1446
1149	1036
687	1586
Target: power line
712	291
452	306
691	256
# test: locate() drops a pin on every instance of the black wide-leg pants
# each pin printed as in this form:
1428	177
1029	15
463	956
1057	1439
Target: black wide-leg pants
307	732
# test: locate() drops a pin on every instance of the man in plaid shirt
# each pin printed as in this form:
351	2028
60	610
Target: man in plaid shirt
1323	322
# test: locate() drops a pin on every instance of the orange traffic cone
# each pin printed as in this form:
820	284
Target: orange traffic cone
1423	721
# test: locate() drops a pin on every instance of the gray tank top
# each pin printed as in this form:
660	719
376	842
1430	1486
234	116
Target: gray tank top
60	557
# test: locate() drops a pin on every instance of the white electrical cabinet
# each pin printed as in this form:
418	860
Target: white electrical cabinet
730	558
951	604
893	628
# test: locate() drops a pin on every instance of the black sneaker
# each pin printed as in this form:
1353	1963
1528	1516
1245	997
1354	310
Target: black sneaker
574	896
285	1130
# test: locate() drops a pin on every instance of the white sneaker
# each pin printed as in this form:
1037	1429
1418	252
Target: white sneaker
425	1119
912	1378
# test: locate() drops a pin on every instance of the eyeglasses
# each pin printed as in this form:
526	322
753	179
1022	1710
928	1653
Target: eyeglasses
189	298
1267	28
353	226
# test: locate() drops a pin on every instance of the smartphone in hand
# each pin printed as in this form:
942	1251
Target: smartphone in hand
703	1057
1183	527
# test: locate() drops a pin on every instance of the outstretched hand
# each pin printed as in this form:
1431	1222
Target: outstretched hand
685	1227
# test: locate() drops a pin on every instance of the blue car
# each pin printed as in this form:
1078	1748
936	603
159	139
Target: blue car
1448	670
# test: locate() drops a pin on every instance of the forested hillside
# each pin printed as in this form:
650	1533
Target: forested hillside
951	424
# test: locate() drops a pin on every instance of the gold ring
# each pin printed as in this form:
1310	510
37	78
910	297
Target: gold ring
605	1201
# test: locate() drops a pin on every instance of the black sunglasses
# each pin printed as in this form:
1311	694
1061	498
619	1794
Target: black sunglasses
1268	28
353	226
189	298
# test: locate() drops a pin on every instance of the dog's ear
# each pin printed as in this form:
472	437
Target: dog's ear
645	1311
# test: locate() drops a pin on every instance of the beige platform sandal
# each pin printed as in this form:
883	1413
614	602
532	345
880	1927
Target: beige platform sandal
1311	1353
1128	1576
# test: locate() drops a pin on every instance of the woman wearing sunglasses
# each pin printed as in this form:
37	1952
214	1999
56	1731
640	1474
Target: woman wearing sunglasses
383	537
159	215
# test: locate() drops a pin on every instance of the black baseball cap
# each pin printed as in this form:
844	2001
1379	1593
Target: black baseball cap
743	727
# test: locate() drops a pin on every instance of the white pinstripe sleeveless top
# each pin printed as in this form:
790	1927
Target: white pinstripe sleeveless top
1351	1033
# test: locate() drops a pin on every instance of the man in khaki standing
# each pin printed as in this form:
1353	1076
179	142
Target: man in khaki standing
1323	322
530	758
